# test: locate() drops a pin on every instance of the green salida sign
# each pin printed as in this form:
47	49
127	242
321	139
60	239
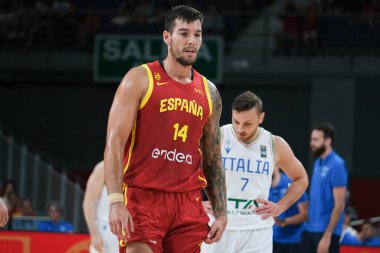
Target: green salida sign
114	55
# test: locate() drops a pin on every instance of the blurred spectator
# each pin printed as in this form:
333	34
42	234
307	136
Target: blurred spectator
15	205
65	25
368	234
327	194
144	9
5	8
63	8
8	188
124	13
56	222
213	21
26	208
289	225
20	20
370	9
157	19
88	29
288	39
310	29
42	25
349	235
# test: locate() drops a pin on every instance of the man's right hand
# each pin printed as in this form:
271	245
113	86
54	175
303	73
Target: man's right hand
216	231
121	223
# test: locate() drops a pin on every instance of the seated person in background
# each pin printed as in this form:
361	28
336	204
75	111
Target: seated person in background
14	205
56	222
26	208
289	225
349	235
368	235
7	189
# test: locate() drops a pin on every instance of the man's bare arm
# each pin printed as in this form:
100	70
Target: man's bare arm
339	194
294	169
93	188
120	122
339	202
212	158
213	168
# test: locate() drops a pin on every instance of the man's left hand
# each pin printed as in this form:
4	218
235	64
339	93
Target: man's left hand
268	209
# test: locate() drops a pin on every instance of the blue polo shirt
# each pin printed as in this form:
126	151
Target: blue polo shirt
372	242
60	227
349	239
290	233
328	174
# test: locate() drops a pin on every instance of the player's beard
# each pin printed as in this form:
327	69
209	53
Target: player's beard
318	151
182	60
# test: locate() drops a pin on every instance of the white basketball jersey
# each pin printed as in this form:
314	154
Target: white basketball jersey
110	242
102	206
249	169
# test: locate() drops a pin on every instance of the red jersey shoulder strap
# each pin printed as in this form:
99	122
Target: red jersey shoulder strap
150	86
207	90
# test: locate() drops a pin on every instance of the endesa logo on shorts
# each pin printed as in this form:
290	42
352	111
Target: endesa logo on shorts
172	155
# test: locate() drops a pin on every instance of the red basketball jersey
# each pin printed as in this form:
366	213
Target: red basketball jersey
162	152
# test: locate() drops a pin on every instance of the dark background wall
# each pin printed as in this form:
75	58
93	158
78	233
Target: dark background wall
367	126
68	122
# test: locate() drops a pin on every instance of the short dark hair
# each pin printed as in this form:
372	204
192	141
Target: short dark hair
57	206
6	183
181	12
327	129
246	101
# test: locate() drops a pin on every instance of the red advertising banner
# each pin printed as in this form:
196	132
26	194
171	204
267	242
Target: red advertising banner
38	242
354	249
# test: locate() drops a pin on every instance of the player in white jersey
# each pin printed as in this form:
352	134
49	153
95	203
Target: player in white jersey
96	211
250	153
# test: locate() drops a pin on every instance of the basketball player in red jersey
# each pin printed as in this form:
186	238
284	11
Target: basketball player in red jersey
163	146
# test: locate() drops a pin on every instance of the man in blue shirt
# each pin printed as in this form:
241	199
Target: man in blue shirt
327	194
56	223
368	235
289	225
349	235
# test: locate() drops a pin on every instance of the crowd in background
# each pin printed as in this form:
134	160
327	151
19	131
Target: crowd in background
309	27
328	26
67	24
19	207
16	206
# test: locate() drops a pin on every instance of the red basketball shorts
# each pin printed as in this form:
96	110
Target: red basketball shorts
168	222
